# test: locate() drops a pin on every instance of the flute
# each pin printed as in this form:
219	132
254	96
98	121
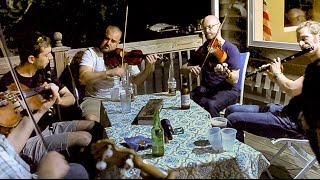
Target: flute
267	66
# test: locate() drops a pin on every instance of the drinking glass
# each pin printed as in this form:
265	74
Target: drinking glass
214	137
125	102
228	138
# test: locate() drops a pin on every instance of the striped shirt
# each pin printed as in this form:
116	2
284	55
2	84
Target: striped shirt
11	165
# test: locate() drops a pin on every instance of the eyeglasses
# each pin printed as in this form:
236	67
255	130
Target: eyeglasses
211	26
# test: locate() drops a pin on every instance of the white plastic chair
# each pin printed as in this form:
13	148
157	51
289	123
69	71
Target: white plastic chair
244	59
292	144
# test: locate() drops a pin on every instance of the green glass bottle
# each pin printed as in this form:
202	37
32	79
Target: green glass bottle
157	136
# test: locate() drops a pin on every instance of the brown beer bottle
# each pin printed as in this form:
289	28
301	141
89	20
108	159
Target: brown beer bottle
185	94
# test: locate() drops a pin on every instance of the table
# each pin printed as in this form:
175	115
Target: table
190	153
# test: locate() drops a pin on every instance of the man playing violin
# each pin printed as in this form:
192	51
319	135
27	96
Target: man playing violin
219	76
35	55
96	76
276	121
52	165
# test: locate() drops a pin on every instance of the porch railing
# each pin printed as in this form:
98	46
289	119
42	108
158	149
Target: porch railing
177	48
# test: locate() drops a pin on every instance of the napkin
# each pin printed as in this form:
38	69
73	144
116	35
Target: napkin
138	142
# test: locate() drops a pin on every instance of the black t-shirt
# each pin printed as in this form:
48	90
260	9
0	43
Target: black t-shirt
38	79
295	104
293	109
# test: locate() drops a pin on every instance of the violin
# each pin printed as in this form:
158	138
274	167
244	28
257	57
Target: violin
215	49
108	155
212	49
11	109
134	57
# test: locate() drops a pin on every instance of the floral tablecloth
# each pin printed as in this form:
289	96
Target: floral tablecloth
190	153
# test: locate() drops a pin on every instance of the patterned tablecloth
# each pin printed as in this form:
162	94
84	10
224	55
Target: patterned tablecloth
190	153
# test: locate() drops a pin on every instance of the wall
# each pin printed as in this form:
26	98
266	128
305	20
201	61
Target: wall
260	56
276	13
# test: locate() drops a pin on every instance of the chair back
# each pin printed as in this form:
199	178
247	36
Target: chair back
70	78
244	59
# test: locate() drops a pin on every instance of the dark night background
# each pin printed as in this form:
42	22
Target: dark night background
80	20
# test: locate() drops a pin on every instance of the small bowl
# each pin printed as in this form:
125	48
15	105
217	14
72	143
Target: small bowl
219	122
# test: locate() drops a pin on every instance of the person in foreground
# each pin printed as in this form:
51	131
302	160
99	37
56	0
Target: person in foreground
96	76
52	164
275	121
220	75
309	115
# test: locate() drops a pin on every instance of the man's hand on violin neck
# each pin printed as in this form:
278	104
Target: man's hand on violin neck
195	69
151	59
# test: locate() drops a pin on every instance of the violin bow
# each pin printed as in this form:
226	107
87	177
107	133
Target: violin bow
125	33
124	42
5	53
219	31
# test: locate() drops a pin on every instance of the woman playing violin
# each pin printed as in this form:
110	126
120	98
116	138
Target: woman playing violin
96	76
218	62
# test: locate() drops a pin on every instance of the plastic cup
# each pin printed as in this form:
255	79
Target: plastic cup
228	136
125	102
219	122
214	137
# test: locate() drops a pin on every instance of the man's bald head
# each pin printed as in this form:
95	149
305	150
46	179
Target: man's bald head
210	25
210	19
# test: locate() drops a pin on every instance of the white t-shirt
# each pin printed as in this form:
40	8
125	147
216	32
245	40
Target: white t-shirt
91	59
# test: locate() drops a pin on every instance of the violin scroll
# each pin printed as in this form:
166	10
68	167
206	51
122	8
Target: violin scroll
108	155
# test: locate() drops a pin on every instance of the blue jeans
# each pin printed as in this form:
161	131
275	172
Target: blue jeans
266	122
76	171
214	102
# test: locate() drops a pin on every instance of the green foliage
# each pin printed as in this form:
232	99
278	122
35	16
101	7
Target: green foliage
77	20
12	11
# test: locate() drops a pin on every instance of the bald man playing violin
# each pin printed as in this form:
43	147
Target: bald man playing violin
220	74
98	78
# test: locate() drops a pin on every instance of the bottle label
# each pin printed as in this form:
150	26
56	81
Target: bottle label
158	143
157	150
185	100
172	87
